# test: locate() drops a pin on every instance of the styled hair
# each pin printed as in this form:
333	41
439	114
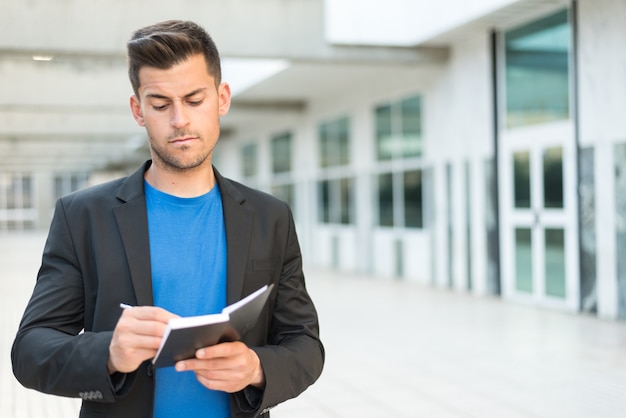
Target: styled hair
168	43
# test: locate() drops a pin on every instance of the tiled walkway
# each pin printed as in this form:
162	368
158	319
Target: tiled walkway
401	350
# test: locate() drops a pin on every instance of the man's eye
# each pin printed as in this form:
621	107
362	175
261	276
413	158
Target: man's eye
162	107
195	102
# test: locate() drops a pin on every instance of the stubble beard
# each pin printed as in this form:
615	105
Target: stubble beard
172	162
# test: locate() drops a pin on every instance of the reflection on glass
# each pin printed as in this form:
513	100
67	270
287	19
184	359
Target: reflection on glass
521	179
537	71
281	153
413	213
385	199
553	178
555	262
523	260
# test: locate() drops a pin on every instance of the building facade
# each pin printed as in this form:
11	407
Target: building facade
499	171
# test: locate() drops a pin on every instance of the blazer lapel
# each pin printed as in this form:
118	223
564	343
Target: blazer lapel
132	221
238	223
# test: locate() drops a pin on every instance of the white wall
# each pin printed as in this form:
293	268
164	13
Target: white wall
458	128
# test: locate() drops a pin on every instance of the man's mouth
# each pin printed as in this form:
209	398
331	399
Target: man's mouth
183	140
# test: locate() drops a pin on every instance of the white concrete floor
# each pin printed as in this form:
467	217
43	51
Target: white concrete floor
400	350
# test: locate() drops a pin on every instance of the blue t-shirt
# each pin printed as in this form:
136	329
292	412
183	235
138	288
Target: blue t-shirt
188	261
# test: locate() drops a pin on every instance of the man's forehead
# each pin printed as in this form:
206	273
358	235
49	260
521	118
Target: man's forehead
181	79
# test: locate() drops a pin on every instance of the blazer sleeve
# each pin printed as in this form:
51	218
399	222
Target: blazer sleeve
294	356
51	352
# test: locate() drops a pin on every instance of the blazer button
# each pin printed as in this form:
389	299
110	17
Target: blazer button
149	370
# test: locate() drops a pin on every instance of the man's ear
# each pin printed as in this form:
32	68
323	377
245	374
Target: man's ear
135	108
223	92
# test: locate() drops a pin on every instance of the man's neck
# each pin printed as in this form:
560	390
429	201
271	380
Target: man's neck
188	183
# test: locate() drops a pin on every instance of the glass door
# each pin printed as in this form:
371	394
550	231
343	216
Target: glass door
539	216
537	164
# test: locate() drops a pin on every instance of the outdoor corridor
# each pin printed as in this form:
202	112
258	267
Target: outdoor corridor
399	350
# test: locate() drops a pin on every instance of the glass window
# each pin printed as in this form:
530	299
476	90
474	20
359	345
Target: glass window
399	129
411	127
281	153
336	201
324	191
17	200
282	185
334	143
399	137
555	262
249	160
521	179
413	214
537	71
523	260
67	183
335	190
385	199
400	199
553	178
384	132
345	189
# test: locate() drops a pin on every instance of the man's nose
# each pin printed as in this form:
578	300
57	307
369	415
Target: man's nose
179	116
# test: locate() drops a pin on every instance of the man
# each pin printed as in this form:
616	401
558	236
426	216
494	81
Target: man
174	238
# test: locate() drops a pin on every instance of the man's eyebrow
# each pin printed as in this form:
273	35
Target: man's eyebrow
186	96
156	96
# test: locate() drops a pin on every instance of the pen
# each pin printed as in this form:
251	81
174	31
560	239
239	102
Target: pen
125	306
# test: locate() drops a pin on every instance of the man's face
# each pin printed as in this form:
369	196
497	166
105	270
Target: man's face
180	108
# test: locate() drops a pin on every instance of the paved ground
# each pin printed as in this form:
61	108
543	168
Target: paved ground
400	350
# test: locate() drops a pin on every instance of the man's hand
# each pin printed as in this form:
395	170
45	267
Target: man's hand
136	337
228	367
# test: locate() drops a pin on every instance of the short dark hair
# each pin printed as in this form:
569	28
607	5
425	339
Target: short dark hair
168	43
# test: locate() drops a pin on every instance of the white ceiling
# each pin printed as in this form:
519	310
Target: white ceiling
71	113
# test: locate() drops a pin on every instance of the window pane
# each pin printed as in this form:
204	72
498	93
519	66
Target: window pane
343	138
384	133
334	143
413	213
281	154
324	193
537	71
249	160
523	260
553	178
385	199
521	179
555	262
346	200
411	127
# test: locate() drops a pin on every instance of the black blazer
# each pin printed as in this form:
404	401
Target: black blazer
97	255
